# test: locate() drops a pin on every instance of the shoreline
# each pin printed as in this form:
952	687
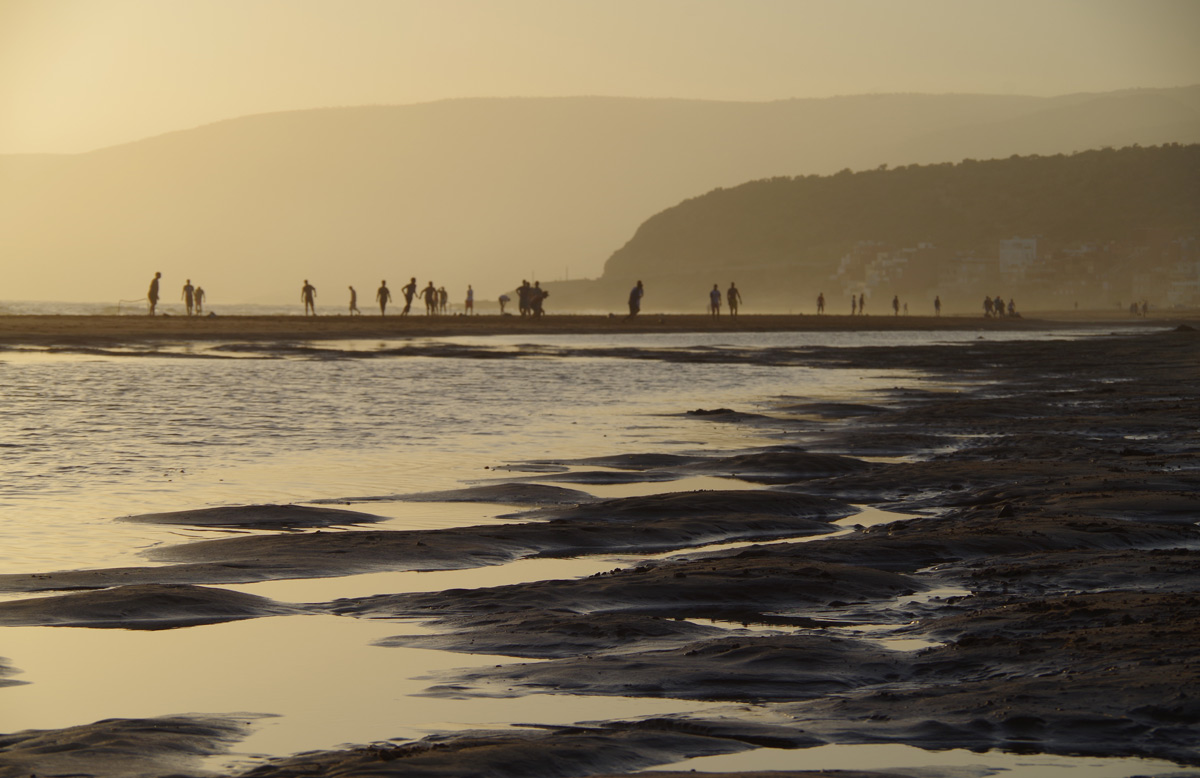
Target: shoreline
86	330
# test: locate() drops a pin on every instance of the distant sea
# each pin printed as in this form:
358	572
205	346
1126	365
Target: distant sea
138	308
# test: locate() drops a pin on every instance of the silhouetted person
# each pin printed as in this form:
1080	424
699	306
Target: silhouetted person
523	293
152	295
504	300
862	304
937	306
853	305
199	296
537	296
308	293
714	301
896	305
734	298
189	296
987	307
383	296
430	295
820	303
354	302
998	306
443	300
1145	308
1012	308
635	300
470	306
409	291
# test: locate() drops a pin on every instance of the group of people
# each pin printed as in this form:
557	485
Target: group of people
193	296
530	299
858	305
994	306
732	295
437	300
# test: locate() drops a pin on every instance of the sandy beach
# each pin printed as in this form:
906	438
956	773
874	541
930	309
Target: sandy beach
107	330
1047	567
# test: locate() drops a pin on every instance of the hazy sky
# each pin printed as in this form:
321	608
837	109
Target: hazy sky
82	74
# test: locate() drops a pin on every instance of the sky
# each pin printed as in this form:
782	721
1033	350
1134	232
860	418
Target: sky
77	75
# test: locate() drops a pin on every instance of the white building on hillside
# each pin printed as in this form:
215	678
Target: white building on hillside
1017	258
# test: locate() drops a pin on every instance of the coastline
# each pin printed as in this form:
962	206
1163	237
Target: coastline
1048	565
76	330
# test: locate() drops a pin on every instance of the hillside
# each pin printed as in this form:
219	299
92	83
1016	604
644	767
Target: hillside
914	228
485	191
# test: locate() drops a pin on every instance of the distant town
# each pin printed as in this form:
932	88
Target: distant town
1162	270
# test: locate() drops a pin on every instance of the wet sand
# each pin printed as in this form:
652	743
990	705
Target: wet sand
1049	572
126	330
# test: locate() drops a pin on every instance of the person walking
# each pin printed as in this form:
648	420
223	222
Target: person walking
430	295
199	296
635	300
354	303
383	296
409	291
152	294
189	296
308	294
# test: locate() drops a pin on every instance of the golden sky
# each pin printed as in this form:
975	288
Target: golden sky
76	75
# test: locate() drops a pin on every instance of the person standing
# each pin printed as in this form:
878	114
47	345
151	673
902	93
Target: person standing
635	300
199	295
523	293
152	295
714	301
734	298
354	302
896	305
383	296
862	304
937	305
189	296
820	303
308	294
470	305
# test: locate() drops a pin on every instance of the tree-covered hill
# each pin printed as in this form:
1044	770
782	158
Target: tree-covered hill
791	235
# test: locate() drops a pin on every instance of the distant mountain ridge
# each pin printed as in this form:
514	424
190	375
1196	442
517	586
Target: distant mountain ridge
1119	214
480	191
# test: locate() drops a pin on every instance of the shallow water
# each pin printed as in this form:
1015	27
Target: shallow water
86	439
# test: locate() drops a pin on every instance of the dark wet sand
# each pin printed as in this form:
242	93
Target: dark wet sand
1051	565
